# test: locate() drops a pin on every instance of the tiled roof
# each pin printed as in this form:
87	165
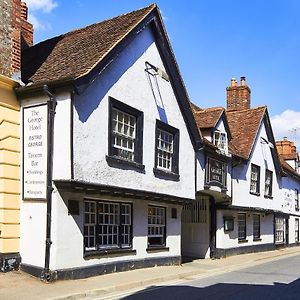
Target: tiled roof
209	117
287	167
244	125
76	53
290	156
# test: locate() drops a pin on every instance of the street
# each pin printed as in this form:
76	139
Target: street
274	280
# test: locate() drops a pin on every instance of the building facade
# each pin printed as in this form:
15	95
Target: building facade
16	34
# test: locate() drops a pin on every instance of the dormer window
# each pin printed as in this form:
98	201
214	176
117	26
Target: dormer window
220	140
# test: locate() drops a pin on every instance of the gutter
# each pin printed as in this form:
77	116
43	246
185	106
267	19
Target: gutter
46	274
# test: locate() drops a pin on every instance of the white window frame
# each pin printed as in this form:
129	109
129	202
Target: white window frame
124	133
156	225
268	185
279	230
256	226
165	156
223	146
296	199
111	227
255	180
296	230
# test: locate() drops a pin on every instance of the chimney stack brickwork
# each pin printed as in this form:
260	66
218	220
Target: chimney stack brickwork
16	34
286	147
238	96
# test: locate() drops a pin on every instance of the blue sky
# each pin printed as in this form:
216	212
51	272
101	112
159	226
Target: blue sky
213	41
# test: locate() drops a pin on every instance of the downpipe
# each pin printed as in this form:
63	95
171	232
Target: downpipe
47	275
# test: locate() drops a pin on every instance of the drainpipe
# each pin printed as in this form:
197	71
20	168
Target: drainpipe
46	274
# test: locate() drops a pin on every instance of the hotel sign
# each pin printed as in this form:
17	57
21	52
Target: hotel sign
35	122
216	172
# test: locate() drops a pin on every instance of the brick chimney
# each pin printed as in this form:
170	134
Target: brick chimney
238	96
16	35
286	148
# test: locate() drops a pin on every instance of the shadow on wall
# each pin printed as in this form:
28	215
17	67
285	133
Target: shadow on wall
224	291
91	95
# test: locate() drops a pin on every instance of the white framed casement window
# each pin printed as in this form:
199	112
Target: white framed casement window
296	230
255	179
107	225
125	143
166	150
242	227
268	183
296	199
123	134
220	140
256	227
279	230
156	226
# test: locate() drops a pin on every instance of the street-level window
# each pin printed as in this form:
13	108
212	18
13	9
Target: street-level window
125	132
242	227
166	147
255	178
220	140
256	227
279	230
296	230
296	199
156	226
268	183
107	225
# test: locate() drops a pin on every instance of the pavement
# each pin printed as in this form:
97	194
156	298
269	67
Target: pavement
20	285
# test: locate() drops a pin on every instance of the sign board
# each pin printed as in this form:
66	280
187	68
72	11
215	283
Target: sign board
216	172
35	120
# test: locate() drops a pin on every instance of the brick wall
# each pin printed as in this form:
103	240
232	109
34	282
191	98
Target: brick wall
16	34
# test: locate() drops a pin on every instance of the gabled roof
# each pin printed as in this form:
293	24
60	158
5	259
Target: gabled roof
244	125
76	53
209	117
288	169
79	56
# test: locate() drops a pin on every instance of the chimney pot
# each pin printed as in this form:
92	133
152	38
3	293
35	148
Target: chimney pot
233	82
243	80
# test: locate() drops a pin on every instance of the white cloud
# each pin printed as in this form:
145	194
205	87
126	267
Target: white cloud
284	124
44	5
37	25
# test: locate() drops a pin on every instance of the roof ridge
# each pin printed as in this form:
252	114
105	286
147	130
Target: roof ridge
246	109
76	30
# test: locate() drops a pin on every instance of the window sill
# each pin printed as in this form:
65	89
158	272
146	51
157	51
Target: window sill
115	161
257	240
243	241
268	197
108	252
157	249
165	174
254	193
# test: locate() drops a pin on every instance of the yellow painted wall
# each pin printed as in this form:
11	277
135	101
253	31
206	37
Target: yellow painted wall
9	167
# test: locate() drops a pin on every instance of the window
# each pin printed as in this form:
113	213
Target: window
241	227
279	230
107	225
166	148
255	178
125	132
296	200
296	230
268	183
220	140
256	227
156	226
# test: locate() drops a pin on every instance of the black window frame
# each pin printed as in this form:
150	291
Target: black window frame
256	231
244	237
99	249
296	200
163	244
174	173
112	158
270	195
257	192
